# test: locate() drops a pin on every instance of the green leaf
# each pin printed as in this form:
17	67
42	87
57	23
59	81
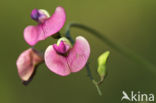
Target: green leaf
102	59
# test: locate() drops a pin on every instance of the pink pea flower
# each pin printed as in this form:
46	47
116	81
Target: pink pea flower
26	63
46	27
63	59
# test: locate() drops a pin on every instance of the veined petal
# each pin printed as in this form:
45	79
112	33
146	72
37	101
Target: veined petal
33	34
79	54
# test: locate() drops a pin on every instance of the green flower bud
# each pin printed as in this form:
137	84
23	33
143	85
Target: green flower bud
102	65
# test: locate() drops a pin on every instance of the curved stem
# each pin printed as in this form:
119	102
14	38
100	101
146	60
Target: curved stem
122	50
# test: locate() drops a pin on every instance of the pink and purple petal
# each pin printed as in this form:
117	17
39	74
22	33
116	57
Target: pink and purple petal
61	48
75	60
34	34
56	62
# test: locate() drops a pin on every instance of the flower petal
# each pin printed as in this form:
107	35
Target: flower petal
26	63
33	34
55	62
79	54
55	22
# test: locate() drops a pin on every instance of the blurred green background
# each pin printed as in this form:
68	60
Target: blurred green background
131	23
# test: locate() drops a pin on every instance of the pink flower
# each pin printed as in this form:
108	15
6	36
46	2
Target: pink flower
46	27
26	63
63	59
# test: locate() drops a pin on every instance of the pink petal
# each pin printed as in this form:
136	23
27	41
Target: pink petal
74	62
55	22
26	63
55	62
33	34
79	54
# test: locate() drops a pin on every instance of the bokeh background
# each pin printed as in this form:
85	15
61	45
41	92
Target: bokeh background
130	23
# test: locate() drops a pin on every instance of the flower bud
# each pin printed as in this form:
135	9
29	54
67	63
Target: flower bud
102	65
39	15
63	45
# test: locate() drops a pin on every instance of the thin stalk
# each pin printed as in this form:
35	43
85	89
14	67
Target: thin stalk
92	79
122	50
97	87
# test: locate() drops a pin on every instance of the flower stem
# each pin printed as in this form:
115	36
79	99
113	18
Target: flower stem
92	79
97	87
122	50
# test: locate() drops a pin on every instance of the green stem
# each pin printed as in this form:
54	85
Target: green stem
97	87
122	50
92	79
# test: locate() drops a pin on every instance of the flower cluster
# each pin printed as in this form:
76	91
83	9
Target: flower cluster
62	58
